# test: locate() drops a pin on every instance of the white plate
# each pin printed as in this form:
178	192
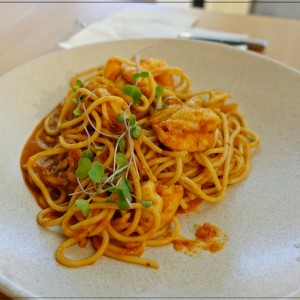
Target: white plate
260	215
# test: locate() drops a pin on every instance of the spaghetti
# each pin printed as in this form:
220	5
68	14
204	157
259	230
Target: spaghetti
128	148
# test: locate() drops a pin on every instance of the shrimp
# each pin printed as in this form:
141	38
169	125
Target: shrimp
182	127
143	83
112	69
152	64
171	196
109	119
165	198
58	171
121	73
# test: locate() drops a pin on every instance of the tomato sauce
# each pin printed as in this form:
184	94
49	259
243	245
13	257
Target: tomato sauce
192	206
208	237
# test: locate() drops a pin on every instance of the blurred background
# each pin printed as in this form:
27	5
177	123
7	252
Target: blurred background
283	8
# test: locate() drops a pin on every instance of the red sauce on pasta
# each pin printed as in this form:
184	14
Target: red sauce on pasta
192	206
208	237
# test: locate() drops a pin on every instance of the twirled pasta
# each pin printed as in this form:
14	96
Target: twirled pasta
178	147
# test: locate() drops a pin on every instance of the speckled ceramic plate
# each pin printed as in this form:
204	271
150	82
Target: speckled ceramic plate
260	215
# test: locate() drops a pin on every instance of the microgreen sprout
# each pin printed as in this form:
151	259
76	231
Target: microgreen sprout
143	74
115	184
77	111
84	165
99	148
121	160
83	205
87	168
122	144
75	100
133	92
110	200
96	172
78	85
132	120
122	117
123	190
146	203
87	154
136	131
159	90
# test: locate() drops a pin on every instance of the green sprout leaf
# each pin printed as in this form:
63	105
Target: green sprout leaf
146	203
99	148
96	172
159	90
110	200
84	165
83	205
133	92
87	154
75	100
125	186
132	120
123	189
122	144
128	184
143	74
123	204
137	101
77	111
122	117
121	160
114	189
79	83
136	131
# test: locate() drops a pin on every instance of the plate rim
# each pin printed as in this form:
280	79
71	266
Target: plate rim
256	55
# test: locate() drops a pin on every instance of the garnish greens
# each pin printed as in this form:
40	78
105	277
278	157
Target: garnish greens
116	184
143	74
133	92
77	111
159	90
78	85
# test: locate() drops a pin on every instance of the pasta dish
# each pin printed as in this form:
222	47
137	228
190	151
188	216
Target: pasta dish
129	148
